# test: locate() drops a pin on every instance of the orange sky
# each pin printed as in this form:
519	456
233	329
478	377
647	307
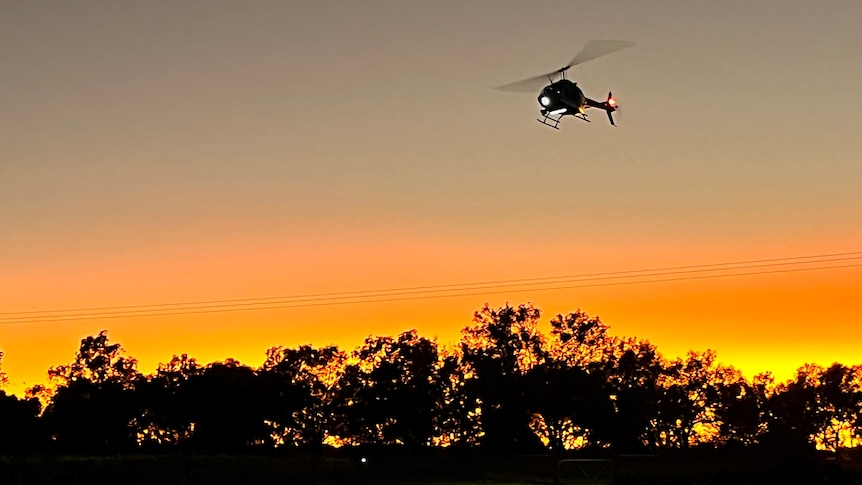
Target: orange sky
757	323
167	152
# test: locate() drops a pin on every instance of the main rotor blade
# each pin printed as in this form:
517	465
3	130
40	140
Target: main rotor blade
598	48
529	85
590	51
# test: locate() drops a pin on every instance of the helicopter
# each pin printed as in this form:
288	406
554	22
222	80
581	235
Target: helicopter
564	97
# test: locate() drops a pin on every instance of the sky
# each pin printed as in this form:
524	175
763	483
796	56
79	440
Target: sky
162	152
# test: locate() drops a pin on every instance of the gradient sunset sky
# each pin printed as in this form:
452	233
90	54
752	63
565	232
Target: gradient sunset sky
158	152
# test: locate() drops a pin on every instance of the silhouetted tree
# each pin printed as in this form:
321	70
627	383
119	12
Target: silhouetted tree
820	407
795	413
501	346
687	400
506	388
99	362
840	393
93	418
458	419
741	409
569	391
579	340
633	370
20	430
571	407
166	410
94	405
300	385
392	394
226	408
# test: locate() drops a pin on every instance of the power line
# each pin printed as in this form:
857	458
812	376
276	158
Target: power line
657	275
467	286
386	300
512	285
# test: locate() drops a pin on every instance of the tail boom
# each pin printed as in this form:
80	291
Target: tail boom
609	105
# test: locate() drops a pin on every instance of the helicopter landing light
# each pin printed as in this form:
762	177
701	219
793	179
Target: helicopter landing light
545	101
558	111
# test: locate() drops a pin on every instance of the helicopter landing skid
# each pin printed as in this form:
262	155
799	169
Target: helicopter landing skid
555	122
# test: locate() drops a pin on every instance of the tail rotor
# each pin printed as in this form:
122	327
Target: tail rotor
610	105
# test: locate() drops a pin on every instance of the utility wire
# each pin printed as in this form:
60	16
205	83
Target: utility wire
386	300
464	286
533	283
440	291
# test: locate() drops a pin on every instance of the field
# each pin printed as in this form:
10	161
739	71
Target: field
450	469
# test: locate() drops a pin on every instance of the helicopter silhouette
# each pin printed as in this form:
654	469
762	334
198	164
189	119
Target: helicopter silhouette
564	97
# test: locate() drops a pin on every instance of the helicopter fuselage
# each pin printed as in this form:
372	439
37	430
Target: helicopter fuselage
562	97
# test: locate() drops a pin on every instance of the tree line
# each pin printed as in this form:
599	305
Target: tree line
507	387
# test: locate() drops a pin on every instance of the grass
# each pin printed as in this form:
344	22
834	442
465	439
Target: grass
301	469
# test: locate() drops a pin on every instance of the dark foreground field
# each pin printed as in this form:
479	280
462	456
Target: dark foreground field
713	467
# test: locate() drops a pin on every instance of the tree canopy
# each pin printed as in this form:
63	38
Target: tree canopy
510	385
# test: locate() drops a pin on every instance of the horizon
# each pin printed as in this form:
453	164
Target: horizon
782	374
